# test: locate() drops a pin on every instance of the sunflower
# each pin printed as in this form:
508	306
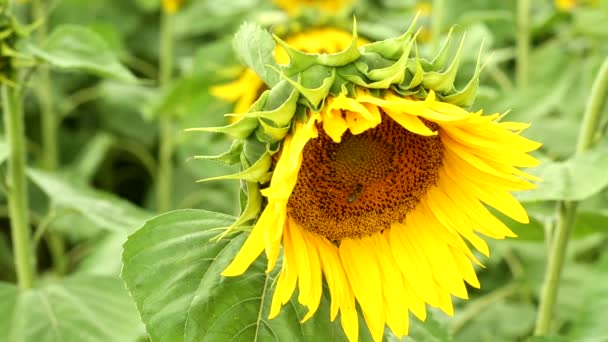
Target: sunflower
171	6
329	6
381	185
248	87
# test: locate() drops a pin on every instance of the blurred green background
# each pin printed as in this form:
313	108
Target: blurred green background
101	185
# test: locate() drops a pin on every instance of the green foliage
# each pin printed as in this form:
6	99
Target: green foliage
105	105
575	179
73	47
102	209
78	308
588	324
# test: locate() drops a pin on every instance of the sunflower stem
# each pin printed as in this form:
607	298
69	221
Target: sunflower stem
165	151
523	42
12	108
557	254
437	10
567	209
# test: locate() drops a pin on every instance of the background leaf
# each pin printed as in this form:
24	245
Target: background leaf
571	180
104	210
78	48
590	323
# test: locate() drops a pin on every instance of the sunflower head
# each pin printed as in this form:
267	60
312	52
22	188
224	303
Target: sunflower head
376	179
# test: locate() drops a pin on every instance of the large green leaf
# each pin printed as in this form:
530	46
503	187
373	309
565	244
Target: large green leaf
79	308
74	47
173	273
104	210
574	179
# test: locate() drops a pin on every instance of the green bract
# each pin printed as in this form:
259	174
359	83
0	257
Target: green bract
306	82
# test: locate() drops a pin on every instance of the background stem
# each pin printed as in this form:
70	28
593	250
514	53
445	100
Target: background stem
48	118
12	108
567	210
523	42
437	10
49	124
165	151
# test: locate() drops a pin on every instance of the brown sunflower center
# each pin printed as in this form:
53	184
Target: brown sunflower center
366	182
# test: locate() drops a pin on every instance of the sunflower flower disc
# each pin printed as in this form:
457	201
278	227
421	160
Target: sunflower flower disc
380	184
365	182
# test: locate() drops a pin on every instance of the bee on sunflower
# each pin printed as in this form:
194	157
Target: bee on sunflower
364	170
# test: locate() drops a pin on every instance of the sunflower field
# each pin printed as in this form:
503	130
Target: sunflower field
275	170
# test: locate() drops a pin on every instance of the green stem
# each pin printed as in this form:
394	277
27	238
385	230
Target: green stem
56	245
17	195
567	212
523	42
49	124
165	151
43	88
593	110
557	254
437	10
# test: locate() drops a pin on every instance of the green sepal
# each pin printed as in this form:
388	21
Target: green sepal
310	88
242	128
251	211
466	96
266	132
277	107
395	72
415	68
238	130
439	61
344	57
258	172
230	157
300	61
348	74
444	81
253	149
392	48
